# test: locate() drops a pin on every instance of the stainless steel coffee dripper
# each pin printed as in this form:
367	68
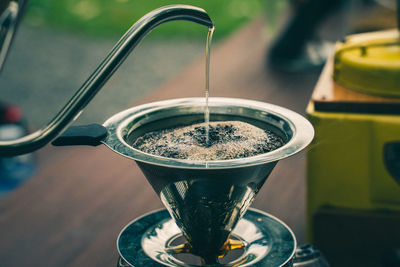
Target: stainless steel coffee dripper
99	77
206	199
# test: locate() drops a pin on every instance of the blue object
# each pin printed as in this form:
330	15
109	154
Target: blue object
14	170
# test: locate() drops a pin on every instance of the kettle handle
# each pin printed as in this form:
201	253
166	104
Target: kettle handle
91	135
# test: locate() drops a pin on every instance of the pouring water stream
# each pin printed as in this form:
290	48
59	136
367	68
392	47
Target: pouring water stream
207	110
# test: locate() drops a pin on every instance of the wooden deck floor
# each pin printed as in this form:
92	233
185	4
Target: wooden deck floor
70	214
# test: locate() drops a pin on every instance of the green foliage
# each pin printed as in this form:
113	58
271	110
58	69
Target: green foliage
113	17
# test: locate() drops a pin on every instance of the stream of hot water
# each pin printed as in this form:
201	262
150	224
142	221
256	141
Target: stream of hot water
207	85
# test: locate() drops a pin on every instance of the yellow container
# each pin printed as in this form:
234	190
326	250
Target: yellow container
353	163
346	167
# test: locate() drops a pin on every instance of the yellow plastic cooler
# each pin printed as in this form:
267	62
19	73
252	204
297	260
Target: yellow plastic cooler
353	169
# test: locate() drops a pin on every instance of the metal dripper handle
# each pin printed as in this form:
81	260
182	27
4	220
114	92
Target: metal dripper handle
100	76
83	135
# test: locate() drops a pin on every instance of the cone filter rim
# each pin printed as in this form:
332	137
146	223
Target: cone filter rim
299	130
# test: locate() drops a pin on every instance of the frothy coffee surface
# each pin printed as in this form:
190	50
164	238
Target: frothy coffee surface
227	140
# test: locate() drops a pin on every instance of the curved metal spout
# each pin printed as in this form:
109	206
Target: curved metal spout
99	77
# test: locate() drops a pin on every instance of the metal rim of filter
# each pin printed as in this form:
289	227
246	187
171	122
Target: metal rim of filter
300	131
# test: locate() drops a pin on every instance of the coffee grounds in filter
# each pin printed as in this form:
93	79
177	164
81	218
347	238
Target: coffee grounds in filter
227	140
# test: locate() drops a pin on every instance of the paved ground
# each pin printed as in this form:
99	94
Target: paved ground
46	67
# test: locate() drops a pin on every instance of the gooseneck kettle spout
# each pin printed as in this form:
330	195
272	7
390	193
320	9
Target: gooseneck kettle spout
99	77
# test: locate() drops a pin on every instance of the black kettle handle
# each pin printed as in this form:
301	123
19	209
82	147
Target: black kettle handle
91	135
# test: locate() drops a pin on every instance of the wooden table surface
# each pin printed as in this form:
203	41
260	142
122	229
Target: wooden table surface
70	214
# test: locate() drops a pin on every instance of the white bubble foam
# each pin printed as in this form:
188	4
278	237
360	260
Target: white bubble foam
227	140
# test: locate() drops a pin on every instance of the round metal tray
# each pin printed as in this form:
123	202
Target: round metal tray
146	242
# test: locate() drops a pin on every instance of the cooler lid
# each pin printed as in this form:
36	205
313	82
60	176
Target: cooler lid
369	63
362	77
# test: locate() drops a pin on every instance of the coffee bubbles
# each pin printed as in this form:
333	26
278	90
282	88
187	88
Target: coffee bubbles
226	140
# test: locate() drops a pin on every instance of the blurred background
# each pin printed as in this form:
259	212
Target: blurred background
60	43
